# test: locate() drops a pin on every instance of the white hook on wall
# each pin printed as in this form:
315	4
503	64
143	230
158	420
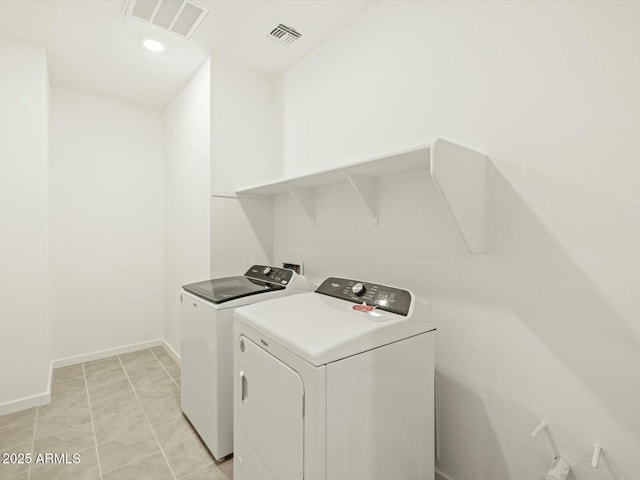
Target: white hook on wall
541	426
597	451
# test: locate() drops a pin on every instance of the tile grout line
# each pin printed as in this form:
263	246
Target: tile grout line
109	397
166	371
102	383
176	384
102	371
132	461
33	441
112	397
83	375
147	417
93	427
207	466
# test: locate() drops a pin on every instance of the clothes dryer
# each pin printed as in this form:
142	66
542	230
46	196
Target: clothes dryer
335	384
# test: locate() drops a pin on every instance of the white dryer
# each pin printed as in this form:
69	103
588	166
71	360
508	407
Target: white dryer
335	384
206	347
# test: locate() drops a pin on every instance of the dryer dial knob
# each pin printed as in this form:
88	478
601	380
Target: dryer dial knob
359	289
267	270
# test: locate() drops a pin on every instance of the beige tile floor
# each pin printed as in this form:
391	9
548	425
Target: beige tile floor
121	415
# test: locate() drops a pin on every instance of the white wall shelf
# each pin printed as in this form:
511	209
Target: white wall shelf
458	173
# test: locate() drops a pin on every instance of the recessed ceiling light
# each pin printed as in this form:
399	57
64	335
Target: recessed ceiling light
153	45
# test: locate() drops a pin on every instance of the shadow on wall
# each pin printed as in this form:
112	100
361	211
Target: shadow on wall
557	301
468	432
259	212
533	311
241	234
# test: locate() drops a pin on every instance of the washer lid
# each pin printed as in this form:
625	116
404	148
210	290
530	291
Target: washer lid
220	290
321	329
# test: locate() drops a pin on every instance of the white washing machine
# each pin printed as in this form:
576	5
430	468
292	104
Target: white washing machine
206	348
335	384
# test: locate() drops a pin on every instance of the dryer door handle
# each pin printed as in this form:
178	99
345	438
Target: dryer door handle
244	387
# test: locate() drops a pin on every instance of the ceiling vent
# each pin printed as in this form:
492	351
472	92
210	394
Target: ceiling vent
182	17
284	35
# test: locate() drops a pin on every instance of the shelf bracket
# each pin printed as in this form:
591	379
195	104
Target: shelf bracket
305	198
367	190
460	176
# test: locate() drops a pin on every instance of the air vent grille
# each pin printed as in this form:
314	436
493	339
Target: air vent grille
284	35
182	17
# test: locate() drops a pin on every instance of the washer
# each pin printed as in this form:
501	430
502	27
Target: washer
206	346
335	384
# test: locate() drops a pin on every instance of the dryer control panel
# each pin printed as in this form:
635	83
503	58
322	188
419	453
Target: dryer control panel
281	276
390	299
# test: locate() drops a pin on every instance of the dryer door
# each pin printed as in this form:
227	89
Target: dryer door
269	401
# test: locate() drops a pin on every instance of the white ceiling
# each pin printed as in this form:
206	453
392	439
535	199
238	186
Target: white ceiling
93	47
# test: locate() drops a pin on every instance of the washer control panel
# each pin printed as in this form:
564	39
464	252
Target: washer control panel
266	273
390	299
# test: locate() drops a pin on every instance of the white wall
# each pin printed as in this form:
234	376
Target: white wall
24	341
244	125
244	129
545	325
106	224
187	190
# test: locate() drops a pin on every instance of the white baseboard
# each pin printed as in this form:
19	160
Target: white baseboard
440	474
24	403
172	353
28	402
45	397
88	357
